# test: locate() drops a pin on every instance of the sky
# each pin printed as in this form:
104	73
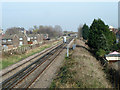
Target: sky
119	14
69	15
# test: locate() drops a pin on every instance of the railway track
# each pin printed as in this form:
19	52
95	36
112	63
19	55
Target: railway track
30	73
27	62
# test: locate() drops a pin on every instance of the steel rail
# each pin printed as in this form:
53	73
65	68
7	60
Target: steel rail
7	83
29	60
33	80
31	70
22	74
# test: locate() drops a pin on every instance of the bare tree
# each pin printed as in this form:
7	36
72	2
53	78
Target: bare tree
51	31
13	30
58	29
80	31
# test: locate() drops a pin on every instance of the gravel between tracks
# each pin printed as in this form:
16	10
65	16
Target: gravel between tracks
47	76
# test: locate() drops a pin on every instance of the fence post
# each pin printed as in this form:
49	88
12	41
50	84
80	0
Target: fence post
67	51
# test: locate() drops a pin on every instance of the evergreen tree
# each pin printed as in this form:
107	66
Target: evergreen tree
85	31
102	42
100	37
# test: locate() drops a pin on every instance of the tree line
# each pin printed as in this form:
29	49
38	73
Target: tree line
55	31
99	38
52	31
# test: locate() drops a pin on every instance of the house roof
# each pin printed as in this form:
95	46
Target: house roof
7	36
21	35
32	35
113	54
11	36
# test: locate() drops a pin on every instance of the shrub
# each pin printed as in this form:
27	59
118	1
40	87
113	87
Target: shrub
115	47
100	53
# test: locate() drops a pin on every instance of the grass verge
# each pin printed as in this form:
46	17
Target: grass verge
80	70
65	75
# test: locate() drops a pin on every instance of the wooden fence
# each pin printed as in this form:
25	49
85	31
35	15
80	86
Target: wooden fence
22	50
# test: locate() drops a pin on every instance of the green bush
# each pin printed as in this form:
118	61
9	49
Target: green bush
100	53
115	47
53	85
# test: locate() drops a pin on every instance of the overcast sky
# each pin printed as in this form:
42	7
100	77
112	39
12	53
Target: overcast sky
69	15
